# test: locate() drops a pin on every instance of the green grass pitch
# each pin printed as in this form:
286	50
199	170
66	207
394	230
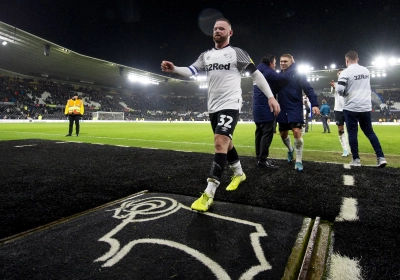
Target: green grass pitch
198	137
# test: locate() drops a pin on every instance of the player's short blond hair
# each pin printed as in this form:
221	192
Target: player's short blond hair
287	55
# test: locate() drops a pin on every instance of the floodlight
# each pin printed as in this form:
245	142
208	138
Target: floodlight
144	80
303	68
132	78
380	62
373	75
383	74
333	66
4	43
392	61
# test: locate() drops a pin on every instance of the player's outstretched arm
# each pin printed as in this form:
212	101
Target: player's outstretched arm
167	66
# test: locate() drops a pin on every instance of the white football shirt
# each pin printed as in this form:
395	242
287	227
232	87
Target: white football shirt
223	68
354	85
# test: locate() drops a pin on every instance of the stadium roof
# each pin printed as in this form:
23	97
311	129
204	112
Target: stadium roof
27	54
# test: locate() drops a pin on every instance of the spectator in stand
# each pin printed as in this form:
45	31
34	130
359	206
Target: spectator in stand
74	110
325	112
354	85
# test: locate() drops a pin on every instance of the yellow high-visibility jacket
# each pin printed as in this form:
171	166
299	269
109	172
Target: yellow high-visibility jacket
74	107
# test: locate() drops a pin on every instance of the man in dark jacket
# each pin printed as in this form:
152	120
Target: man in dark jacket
325	111
263	117
291	117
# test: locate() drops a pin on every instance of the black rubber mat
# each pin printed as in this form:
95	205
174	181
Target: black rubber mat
41	183
157	236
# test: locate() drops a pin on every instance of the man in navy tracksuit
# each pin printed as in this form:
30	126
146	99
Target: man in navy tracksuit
263	117
291	117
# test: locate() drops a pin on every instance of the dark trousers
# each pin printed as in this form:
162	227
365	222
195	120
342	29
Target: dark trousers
74	119
364	119
324	119
264	135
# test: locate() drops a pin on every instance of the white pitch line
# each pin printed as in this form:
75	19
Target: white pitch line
177	142
22	146
348	210
342	267
171	142
348	180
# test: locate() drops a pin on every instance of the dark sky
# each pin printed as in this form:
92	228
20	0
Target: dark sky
139	33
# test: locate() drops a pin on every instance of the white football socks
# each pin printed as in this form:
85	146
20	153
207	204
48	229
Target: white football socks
288	143
237	168
298	144
211	187
342	139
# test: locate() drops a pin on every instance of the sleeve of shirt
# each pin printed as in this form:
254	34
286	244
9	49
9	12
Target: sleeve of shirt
184	71
342	83
243	60
198	66
193	70
262	83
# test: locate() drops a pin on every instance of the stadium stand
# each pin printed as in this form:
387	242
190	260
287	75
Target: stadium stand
29	98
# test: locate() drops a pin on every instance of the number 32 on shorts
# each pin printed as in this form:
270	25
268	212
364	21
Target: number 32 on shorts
225	121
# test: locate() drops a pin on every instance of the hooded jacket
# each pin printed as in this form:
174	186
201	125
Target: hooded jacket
290	99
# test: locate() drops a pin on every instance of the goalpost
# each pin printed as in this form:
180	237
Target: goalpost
107	116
